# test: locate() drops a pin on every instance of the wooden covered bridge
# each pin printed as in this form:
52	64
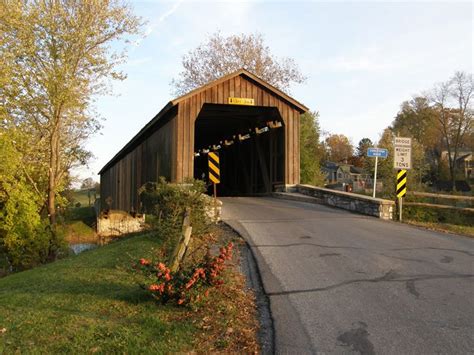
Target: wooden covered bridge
229	115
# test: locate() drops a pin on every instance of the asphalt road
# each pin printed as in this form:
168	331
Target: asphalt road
344	283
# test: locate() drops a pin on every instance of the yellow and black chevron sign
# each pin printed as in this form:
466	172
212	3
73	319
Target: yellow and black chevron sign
401	183
214	170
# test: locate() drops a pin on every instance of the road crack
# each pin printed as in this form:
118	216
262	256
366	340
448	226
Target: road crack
390	276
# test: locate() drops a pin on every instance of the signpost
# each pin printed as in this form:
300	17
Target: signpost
402	162
376	153
402	153
214	175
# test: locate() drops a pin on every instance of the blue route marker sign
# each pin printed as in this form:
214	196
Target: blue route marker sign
377	153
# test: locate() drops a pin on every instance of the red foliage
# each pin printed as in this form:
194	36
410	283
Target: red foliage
185	285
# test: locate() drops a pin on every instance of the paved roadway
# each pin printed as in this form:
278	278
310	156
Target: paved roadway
345	283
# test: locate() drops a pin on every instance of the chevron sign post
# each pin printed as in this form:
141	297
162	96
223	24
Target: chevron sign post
214	175
401	189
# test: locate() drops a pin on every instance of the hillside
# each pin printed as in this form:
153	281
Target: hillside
90	303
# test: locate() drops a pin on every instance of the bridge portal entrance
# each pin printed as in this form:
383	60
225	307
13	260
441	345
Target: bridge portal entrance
250	141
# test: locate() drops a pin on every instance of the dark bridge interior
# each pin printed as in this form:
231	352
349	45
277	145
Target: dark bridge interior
247	167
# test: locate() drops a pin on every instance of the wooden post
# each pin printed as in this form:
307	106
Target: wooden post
182	246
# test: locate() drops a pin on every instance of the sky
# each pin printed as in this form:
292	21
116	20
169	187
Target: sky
362	59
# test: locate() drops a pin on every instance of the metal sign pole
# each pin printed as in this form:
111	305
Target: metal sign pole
215	201
375	175
400	201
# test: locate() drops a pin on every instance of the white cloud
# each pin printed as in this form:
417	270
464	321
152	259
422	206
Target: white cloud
171	11
153	25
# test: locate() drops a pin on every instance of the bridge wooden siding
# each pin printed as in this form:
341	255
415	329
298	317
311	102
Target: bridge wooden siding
165	146
218	92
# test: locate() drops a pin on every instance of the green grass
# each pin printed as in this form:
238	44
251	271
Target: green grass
78	225
89	303
82	197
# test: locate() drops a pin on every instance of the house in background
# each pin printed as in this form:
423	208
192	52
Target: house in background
330	170
342	173
464	162
346	177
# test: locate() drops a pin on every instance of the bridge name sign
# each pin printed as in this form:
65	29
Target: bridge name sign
241	101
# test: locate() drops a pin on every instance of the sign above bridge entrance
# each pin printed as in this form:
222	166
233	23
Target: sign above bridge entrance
241	101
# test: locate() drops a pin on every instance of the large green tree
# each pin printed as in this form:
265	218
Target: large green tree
360	157
220	55
60	57
311	151
418	119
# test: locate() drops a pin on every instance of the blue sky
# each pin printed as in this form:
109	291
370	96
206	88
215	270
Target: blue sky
362	59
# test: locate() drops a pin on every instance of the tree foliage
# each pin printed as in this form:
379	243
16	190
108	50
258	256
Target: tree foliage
221	55
363	146
360	157
56	57
25	240
59	58
339	148
440	121
385	171
453	103
311	152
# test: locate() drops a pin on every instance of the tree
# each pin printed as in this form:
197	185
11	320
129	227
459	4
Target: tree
220	55
339	148
385	170
310	149
417	119
361	152
61	59
363	146
88	183
453	103
24	242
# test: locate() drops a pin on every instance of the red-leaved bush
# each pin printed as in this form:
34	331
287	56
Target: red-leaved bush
185	285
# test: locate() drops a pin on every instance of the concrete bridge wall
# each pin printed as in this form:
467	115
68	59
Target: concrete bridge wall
376	207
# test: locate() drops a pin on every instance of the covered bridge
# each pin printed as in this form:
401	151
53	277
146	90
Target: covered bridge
254	127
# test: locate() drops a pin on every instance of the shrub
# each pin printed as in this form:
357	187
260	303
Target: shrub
26	238
167	203
184	286
438	215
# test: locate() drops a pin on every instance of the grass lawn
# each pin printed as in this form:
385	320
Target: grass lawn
82	196
79	225
90	303
467	231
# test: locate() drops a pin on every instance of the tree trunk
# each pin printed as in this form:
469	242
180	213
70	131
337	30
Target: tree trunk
453	177
53	168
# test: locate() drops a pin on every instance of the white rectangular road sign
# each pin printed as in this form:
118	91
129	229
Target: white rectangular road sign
402	157
402	142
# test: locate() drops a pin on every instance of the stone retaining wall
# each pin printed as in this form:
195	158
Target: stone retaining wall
116	223
376	207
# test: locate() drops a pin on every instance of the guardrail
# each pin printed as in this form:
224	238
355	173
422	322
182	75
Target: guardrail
470	199
443	196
